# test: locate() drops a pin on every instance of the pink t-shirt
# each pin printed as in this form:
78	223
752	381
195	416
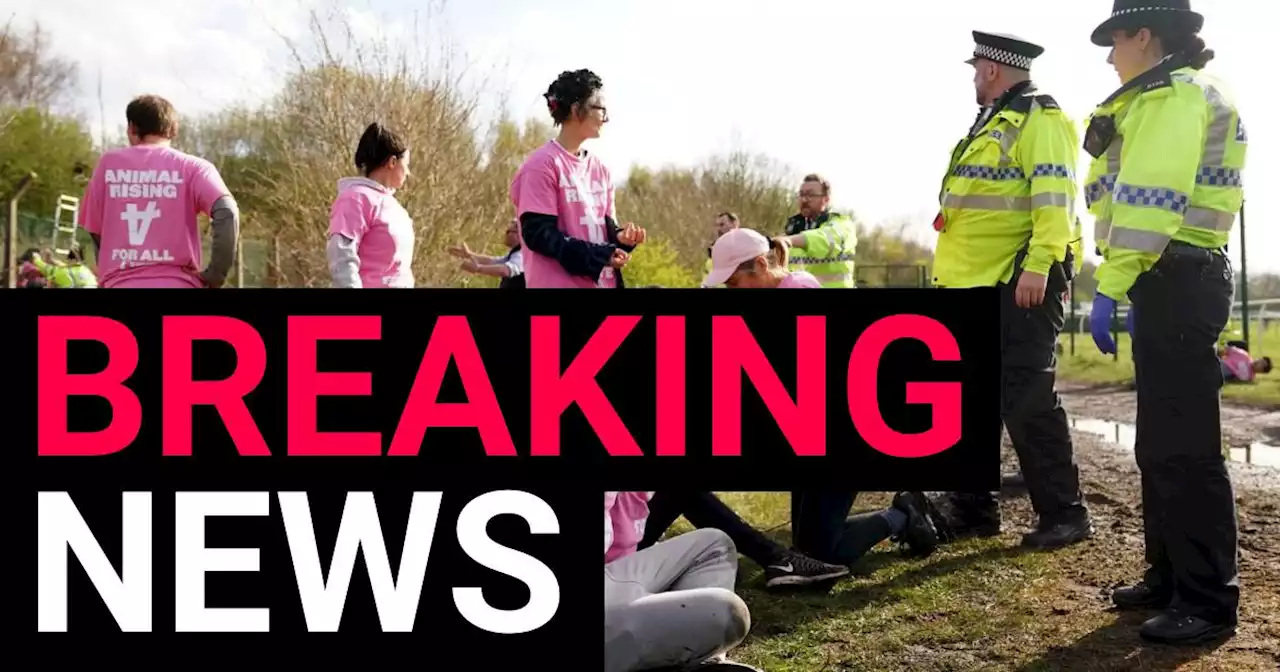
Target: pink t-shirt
625	514
1239	363
143	202
800	280
369	214
578	191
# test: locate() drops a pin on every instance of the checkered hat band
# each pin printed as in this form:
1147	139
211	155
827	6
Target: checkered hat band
1135	10
1001	56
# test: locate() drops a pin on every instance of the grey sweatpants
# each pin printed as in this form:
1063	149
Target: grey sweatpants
673	604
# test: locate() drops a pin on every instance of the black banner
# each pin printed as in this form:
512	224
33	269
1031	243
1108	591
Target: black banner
522	407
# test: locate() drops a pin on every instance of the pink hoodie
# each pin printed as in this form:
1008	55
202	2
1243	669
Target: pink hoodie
625	514
1240	363
371	237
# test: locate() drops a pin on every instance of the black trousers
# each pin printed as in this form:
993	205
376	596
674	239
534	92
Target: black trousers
1180	307
822	528
704	510
1031	408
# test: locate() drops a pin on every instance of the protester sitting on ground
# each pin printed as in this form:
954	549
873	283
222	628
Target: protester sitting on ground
1238	366
509	268
821	526
143	221
371	236
72	275
671	606
703	510
564	197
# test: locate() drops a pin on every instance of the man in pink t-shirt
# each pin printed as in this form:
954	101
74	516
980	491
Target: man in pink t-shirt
564	198
141	205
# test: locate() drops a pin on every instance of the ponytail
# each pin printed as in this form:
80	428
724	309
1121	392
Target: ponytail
778	253
1196	52
1177	41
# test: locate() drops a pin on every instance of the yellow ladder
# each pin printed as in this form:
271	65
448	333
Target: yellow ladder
64	232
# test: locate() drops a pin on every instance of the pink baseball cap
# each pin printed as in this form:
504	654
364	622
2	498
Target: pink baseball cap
731	251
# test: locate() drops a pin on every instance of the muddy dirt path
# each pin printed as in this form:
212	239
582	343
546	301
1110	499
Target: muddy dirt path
1110	480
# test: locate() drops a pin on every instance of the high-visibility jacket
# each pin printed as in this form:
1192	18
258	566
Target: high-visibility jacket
73	276
831	241
1011	184
1171	172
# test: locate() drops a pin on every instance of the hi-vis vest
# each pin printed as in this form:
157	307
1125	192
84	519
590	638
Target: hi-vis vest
1171	171
74	276
1010	185
831	241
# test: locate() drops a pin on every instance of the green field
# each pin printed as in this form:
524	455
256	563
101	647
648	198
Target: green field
975	605
1088	365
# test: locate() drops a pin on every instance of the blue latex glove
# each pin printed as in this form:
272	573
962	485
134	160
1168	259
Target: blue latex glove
1104	308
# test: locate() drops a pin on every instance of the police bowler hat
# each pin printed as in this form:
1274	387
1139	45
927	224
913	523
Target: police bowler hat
1134	14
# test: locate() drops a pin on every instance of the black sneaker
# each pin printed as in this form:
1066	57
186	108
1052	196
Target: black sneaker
795	569
920	534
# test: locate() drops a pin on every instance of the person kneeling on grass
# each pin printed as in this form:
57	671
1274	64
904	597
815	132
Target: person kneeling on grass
821	526
783	567
671	606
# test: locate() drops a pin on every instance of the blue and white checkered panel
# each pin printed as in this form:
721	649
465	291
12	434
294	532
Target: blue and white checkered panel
1152	197
989	173
1217	176
1103	186
1051	170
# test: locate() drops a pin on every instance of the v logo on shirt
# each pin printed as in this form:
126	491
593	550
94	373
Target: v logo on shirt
139	221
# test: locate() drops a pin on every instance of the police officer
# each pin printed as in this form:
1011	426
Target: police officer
1006	221
1164	186
820	241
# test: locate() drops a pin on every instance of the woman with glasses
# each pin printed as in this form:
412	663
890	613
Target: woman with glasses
564	197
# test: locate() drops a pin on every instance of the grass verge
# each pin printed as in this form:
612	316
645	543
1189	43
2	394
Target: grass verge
1086	365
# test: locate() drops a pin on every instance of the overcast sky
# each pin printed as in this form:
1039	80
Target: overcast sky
872	94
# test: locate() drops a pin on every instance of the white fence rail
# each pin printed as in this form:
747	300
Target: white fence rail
1262	313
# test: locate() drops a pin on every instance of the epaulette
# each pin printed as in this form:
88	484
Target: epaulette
1023	103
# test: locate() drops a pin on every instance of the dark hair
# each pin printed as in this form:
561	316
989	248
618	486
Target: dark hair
378	145
152	115
1176	39
74	255
570	88
814	177
26	256
1267	360
733	217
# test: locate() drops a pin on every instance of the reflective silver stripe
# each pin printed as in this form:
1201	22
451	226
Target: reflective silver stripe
1215	144
1138	239
1048	200
1206	218
1102	229
1113	155
1006	144
1022	203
